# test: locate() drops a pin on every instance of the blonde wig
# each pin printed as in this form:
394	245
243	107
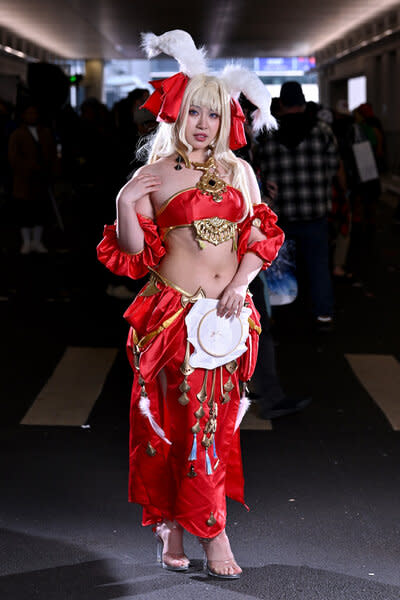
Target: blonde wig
210	92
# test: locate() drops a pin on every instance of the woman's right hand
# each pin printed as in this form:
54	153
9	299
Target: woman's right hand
139	186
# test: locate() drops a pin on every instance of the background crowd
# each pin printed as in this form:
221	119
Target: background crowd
60	171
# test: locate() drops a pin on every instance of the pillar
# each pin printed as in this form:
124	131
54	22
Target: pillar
94	76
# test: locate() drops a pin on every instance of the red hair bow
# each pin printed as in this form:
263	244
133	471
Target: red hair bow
237	138
165	102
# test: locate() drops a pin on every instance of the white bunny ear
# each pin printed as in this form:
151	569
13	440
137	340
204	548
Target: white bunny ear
180	45
240	80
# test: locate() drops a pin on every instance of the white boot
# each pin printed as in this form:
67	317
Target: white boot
26	247
37	245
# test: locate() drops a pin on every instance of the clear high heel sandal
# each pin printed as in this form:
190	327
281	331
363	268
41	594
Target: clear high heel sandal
161	557
227	562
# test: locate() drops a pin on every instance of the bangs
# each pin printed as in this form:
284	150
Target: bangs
208	95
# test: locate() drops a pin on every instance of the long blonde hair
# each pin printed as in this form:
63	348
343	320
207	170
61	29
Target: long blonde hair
210	92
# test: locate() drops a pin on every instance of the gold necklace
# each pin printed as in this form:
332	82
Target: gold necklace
210	182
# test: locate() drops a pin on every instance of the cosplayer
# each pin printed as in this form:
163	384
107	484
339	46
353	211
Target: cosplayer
192	217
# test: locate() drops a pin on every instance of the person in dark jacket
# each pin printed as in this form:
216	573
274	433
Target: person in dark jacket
301	157
32	157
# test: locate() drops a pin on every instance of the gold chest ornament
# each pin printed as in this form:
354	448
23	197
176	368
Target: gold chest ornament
214	229
210	182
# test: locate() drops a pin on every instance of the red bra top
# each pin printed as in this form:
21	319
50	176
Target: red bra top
191	205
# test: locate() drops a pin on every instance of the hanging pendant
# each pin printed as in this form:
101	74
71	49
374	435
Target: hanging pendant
196	428
202	395
183	399
184	387
228	386
226	398
186	370
199	414
206	441
231	366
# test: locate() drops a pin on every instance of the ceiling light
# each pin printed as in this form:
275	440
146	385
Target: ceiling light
10	50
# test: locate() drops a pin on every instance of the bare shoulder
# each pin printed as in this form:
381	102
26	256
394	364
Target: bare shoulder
249	171
247	167
251	181
145	170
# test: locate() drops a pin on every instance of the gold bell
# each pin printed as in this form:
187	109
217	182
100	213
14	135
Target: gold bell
150	450
211	520
192	473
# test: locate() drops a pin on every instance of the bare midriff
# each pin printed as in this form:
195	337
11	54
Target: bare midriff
191	267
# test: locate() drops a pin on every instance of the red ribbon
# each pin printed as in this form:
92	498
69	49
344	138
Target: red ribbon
165	102
237	137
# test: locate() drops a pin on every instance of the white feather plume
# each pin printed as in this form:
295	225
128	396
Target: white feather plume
144	405
180	45
240	80
244	406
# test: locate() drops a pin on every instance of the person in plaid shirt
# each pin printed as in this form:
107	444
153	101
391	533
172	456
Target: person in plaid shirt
301	157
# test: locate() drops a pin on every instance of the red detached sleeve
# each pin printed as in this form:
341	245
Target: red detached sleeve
131	265
265	220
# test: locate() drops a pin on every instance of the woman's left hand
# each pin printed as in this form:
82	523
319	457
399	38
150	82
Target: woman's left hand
232	300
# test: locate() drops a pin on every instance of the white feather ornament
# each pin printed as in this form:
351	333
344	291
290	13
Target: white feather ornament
192	61
180	45
240	80
244	406
144	406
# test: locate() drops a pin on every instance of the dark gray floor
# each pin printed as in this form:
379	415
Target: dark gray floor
323	486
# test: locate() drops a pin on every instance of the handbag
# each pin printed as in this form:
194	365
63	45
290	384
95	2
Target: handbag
364	157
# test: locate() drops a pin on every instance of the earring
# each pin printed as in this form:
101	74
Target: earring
178	160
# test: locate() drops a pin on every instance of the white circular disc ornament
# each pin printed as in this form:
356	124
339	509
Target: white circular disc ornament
218	336
216	340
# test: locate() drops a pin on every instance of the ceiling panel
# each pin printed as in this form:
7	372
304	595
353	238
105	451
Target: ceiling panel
110	28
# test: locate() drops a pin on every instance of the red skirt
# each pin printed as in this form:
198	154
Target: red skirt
185	453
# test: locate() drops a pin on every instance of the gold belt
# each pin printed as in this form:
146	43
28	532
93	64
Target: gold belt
186	297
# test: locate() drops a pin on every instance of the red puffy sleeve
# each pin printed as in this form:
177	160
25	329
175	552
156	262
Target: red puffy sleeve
265	220
131	265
